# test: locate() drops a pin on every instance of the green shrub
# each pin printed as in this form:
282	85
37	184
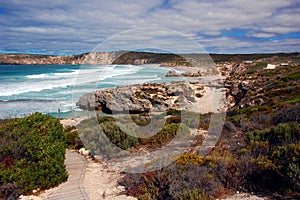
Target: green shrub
73	140
117	136
253	68
32	152
251	71
174	112
105	138
193	194
294	99
105	119
291	77
275	153
167	133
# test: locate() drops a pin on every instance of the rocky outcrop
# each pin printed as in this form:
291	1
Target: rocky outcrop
143	98
174	73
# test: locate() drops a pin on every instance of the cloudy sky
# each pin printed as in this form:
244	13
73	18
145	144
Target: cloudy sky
76	26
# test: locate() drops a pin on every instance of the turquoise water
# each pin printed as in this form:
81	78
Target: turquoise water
25	89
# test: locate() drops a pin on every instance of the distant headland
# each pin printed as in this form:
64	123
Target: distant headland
128	57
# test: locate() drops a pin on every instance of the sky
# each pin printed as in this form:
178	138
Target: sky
65	27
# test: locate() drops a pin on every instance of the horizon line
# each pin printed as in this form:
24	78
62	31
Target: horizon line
82	53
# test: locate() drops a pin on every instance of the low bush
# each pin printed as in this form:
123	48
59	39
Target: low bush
274	154
167	133
32	153
287	113
101	137
117	136
190	177
293	100
174	112
267	161
73	140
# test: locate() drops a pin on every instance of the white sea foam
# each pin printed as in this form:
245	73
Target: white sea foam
35	76
53	75
83	76
62	74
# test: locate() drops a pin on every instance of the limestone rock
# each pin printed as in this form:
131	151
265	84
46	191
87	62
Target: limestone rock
141	98
173	73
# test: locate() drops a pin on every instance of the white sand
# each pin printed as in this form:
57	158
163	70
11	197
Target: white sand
72	121
102	183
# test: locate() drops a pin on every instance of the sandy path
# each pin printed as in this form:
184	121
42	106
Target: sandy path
73	188
102	183
87	180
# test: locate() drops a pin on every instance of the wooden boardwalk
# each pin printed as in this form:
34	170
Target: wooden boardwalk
73	189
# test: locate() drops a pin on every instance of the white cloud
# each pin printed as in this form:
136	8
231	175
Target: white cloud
80	25
280	29
262	35
152	38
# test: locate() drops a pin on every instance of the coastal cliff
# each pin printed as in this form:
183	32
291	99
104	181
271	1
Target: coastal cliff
86	58
135	58
117	57
28	59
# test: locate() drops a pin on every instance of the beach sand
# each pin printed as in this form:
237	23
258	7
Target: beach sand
102	183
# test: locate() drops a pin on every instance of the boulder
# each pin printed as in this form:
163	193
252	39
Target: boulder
173	73
88	102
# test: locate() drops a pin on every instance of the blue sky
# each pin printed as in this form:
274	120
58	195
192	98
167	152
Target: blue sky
76	26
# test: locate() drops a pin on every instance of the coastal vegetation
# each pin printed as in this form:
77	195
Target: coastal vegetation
256	157
32	153
258	150
98	135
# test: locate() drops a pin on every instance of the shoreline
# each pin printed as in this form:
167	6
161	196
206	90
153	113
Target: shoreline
8	102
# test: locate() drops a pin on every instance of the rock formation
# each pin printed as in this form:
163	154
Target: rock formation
143	98
174	73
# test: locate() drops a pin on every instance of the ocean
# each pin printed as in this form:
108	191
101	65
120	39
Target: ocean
26	89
